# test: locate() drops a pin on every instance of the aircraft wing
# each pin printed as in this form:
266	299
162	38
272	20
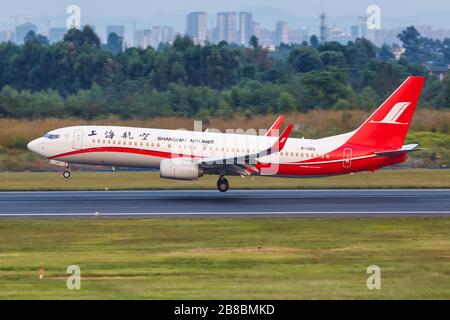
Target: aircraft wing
393	153
243	164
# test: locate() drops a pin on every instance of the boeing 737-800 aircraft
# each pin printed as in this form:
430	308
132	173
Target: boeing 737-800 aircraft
188	155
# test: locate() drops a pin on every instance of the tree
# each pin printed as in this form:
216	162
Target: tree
114	44
224	110
368	99
286	102
305	59
86	36
314	41
385	53
412	42
32	37
254	42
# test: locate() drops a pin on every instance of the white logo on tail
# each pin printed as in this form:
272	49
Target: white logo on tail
395	113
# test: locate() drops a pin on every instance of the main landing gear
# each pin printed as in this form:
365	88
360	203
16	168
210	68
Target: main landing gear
66	174
222	184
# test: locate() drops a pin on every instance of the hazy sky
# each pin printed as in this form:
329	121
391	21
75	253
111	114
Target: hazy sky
173	11
144	8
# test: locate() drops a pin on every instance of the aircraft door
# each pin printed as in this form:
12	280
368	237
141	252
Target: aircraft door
78	139
347	163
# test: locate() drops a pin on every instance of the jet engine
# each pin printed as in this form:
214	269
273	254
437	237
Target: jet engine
179	169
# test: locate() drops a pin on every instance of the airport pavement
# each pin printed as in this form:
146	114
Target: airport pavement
260	203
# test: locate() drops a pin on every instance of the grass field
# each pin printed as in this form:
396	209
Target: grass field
420	178
226	258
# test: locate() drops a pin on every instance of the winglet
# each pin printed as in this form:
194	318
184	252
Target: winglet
281	141
275	128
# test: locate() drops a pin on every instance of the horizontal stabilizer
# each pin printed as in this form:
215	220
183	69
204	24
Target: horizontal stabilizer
393	153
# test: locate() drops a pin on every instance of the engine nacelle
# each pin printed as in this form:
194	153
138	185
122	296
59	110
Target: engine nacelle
179	169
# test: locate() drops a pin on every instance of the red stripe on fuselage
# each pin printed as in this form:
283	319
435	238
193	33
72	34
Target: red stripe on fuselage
304	168
152	153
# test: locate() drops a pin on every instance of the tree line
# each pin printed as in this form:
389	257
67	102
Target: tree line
80	77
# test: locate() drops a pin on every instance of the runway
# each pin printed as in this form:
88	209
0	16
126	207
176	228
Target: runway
254	203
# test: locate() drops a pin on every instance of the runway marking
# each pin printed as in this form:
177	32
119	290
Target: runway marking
231	191
220	213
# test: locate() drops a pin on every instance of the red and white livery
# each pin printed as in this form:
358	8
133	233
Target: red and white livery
188	155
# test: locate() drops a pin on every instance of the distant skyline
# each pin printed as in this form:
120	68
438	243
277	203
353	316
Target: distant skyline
173	12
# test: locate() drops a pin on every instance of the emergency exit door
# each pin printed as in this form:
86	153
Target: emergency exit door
347	163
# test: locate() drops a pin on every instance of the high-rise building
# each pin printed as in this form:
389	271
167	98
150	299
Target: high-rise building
256	28
156	37
22	31
354	32
168	34
117	29
298	35
231	30
196	26
7	36
245	27
282	33
226	27
221	26
142	38
56	34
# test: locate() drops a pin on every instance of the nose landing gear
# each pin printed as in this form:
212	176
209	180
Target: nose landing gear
222	184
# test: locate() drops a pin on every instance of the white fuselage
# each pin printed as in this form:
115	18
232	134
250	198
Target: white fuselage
141	147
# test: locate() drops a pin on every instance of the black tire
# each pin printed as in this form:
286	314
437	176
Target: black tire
223	185
66	174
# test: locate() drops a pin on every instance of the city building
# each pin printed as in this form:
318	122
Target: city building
354	32
226	27
245	27
168	34
256	28
7	36
56	34
196	26
265	37
281	33
299	35
22	31
142	38
117	29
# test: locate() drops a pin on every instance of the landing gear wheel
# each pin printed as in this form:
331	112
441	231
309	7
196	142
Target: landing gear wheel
66	174
222	184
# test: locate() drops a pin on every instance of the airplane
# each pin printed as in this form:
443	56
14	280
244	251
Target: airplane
188	155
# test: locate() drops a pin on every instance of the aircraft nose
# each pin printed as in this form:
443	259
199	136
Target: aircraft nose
35	146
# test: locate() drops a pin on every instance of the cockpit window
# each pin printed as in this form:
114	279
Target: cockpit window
52	136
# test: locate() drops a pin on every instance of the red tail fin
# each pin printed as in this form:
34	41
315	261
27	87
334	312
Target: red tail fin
387	127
